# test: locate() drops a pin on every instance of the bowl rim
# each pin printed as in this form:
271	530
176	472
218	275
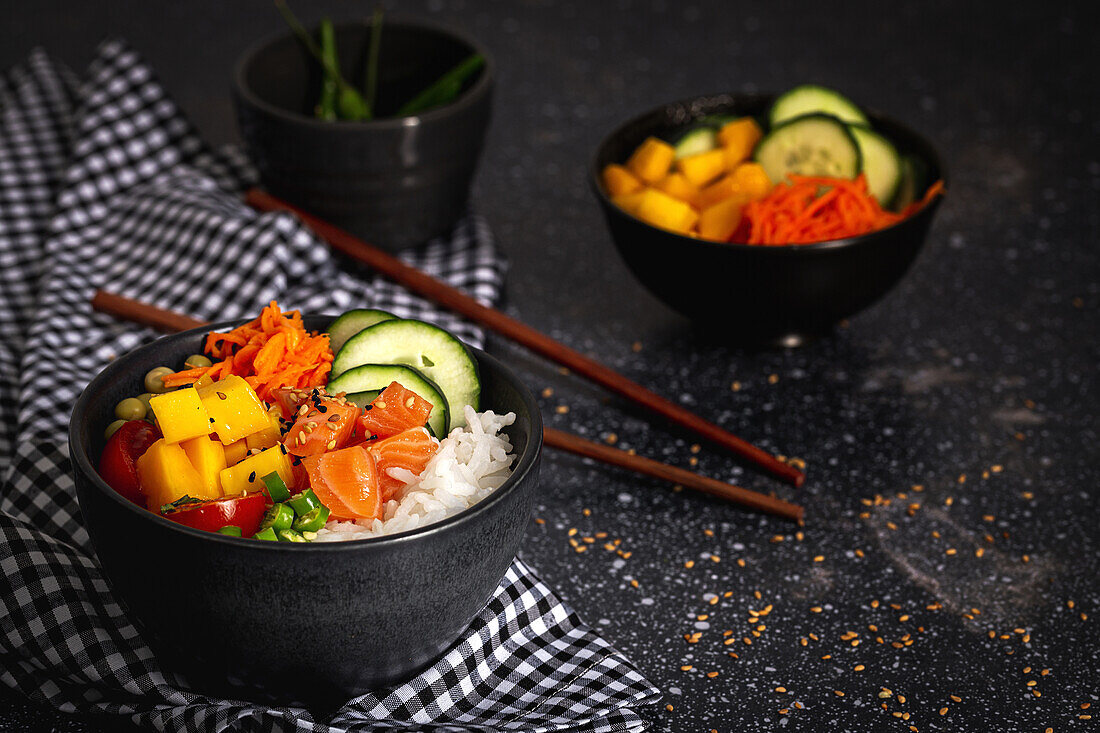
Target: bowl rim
779	249
472	95
525	462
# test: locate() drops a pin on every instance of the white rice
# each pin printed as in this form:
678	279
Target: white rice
471	462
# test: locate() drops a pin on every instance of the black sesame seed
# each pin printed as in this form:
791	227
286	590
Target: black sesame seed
322	408
369	407
251	477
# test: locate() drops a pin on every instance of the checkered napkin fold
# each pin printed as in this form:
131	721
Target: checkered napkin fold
104	184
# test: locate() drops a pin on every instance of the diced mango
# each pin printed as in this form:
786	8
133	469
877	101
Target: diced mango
166	474
718	222
269	436
651	161
702	168
208	458
628	202
248	474
738	138
678	186
235	452
180	414
723	188
660	209
234	409
618	180
751	180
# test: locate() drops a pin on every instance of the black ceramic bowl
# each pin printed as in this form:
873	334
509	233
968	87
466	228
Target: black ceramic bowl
394	181
750	292
312	623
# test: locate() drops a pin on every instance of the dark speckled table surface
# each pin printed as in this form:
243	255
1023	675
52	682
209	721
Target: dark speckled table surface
946	578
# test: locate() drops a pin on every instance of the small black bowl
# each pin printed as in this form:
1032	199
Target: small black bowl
313	624
394	181
750	292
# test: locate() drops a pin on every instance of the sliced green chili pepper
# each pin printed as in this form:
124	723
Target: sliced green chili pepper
278	516
326	106
304	502
276	487
230	530
444	89
289	535
312	520
266	534
310	536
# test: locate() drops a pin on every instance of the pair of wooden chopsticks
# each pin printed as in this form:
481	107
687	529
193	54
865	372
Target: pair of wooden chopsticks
463	304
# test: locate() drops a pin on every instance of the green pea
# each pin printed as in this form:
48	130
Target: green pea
113	428
197	360
130	408
145	397
154	380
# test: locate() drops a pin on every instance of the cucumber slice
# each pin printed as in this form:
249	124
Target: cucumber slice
361	380
351	323
436	354
914	179
811	145
364	398
810	98
699	140
881	163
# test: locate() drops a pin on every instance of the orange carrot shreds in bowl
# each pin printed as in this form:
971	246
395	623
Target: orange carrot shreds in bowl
812	209
272	351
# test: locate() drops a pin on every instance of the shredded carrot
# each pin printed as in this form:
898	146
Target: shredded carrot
817	209
272	351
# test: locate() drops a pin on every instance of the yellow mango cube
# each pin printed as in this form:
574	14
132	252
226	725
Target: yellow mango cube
208	458
702	168
235	452
617	180
248	475
678	186
269	436
724	188
234	409
661	210
718	222
180	414
751	180
738	138
652	159
628	202
166	474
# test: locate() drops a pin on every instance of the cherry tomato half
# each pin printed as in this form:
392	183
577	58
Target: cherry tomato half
245	511
117	464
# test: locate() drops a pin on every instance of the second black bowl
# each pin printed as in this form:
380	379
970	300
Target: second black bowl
753	292
314	623
394	181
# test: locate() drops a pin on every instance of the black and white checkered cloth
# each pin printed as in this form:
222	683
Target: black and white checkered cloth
104	184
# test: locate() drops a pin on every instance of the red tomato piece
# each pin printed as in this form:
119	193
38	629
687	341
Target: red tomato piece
246	512
117	465
347	478
409	450
326	425
393	411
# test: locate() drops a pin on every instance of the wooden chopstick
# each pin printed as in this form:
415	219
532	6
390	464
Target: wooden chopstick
639	464
169	321
456	300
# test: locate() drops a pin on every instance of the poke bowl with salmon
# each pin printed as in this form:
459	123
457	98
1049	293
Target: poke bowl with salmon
302	508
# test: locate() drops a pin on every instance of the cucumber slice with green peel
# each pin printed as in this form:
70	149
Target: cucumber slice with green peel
914	179
362	399
698	140
811	145
352	322
433	352
881	163
362	380
811	99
